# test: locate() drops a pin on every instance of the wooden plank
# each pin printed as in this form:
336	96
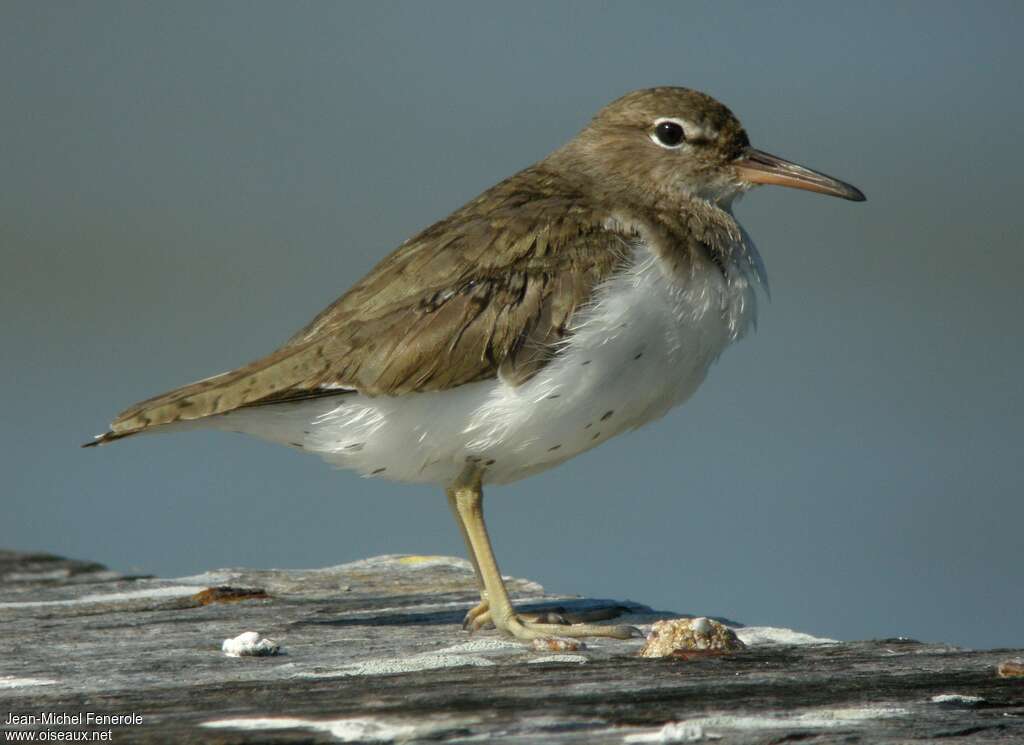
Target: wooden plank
373	651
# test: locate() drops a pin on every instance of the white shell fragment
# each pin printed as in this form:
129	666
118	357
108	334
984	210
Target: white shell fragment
249	644
679	635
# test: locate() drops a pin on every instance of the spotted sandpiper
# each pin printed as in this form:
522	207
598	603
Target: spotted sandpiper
580	298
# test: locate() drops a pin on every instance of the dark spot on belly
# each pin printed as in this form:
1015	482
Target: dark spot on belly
298	445
587	362
355	446
554	395
638	355
553	448
305	431
596	436
491	462
379	470
588	425
607	415
473	459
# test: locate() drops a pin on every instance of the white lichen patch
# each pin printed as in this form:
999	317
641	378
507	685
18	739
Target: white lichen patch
575	659
343	730
9	681
689	635
483	645
756	636
407	561
428	562
173	591
411	664
672	732
208	579
811	719
957	698
249	644
711	727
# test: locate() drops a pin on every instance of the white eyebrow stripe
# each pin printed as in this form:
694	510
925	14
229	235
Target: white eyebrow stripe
690	130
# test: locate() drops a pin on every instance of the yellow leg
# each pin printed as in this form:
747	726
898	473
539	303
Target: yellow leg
479	615
466	496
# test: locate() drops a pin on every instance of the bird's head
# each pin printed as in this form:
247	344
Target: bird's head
661	142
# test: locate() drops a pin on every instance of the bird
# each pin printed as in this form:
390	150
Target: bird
576	300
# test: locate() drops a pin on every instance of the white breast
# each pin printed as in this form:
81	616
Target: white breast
643	347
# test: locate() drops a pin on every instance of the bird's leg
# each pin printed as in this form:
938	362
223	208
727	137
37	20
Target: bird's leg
467	497
479	615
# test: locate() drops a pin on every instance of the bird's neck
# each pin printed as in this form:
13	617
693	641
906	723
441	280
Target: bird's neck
698	229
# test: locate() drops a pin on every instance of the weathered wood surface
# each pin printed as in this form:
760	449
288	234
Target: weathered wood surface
373	651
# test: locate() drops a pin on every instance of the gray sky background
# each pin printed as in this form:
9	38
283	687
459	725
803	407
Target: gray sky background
183	185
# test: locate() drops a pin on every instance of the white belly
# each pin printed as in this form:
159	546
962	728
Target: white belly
643	347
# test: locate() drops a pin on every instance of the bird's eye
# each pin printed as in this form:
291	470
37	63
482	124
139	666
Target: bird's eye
668	133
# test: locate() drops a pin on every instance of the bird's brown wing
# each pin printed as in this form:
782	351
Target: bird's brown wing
490	289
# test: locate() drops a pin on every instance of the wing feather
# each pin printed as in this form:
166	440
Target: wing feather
491	288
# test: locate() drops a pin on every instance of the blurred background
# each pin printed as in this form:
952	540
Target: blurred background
183	185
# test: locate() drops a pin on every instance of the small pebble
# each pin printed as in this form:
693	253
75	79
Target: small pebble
680	635
249	644
558	644
1013	668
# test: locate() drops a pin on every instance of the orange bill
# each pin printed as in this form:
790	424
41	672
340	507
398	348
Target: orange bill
758	167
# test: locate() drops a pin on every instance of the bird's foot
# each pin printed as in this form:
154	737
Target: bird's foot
553	622
478	620
478	617
522	628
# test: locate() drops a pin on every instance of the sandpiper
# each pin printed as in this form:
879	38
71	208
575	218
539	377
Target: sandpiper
580	298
